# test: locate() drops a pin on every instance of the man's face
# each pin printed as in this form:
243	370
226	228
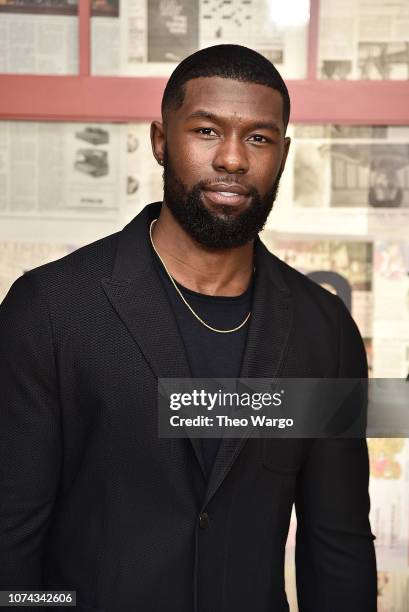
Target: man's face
224	151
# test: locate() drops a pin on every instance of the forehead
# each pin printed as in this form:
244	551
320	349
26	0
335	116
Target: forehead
228	98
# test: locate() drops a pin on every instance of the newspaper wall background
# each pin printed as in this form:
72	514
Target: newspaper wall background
357	39
39	37
150	38
363	40
349	180
373	280
144	179
60	170
57	193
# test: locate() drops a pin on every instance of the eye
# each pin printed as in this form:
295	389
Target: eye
206	131
259	138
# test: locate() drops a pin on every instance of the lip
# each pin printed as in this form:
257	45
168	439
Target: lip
232	188
226	195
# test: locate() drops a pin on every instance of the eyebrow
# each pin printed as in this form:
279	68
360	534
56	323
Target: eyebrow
258	125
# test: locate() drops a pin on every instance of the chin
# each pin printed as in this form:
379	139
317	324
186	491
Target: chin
226	211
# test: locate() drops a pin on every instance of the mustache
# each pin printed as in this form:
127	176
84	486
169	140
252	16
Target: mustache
226	180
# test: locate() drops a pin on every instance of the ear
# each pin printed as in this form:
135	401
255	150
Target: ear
158	141
287	142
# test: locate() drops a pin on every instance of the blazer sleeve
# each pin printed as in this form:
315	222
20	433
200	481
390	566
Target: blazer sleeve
335	556
30	437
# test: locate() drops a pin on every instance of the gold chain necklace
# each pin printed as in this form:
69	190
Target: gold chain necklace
219	331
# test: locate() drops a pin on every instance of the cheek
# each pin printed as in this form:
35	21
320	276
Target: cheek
271	168
199	154
190	163
266	180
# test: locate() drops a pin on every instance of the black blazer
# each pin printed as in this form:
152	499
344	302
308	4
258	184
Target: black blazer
92	500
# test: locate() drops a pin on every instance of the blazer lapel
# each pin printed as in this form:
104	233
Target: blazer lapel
136	293
267	343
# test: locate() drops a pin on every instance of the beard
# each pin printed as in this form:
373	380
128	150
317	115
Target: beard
216	231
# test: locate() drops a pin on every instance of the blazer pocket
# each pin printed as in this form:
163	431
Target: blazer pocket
283	455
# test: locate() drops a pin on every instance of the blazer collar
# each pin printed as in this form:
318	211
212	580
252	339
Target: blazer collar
137	294
139	298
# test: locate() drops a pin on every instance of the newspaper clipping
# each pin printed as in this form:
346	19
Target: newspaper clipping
346	179
60	170
150	38
39	37
363	40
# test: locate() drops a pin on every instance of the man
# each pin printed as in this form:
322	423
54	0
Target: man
91	498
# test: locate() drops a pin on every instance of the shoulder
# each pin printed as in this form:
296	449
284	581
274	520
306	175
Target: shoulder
94	259
308	296
323	322
65	288
82	267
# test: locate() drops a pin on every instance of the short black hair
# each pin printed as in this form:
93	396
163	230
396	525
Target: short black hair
228	62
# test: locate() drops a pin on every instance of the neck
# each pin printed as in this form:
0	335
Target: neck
224	272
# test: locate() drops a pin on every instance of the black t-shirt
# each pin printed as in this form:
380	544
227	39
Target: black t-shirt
210	354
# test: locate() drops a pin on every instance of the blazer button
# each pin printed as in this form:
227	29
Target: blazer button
204	520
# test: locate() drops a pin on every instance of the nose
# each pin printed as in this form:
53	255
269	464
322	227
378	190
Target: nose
231	156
